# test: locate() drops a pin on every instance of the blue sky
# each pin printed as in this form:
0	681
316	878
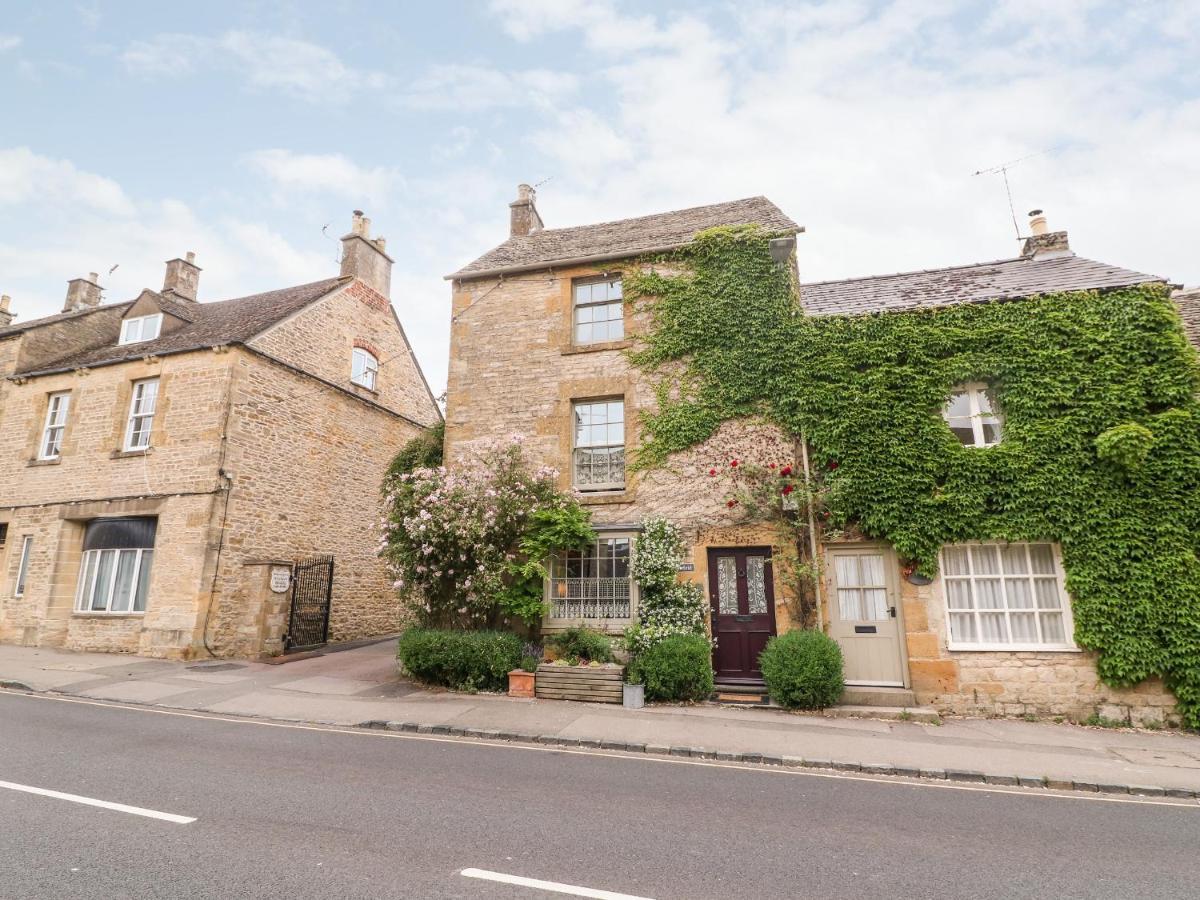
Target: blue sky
132	132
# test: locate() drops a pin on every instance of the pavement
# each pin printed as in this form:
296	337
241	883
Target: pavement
361	686
113	801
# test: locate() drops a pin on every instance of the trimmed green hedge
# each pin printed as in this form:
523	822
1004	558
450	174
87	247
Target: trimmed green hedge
463	660
803	669
677	668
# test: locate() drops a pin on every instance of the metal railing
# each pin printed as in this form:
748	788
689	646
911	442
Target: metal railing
591	598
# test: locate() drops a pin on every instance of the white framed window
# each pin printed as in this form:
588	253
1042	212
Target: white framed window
23	566
593	585
599	311
114	576
141	414
973	416
364	368
141	328
599	450
56	424
1006	597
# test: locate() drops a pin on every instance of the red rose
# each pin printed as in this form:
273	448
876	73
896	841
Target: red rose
733	464
785	471
787	489
770	465
731	504
712	471
833	465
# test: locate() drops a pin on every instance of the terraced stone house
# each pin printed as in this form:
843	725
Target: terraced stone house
537	347
181	478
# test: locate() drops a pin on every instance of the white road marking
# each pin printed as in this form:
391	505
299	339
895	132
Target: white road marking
487	744
552	886
103	804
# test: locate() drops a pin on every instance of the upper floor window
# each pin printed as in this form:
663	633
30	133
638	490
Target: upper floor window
141	414
56	424
1006	597
364	368
599	311
599	451
972	416
141	328
114	575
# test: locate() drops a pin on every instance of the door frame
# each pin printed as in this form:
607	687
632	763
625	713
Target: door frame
767	551
891	565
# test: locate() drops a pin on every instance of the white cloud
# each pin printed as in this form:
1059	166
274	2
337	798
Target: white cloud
325	173
26	177
264	61
473	88
9	42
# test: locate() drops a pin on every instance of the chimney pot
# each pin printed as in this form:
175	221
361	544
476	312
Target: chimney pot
366	259
183	278
6	315
524	218
1037	222
1042	242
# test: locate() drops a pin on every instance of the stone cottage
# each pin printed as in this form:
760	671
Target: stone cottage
182	478
538	341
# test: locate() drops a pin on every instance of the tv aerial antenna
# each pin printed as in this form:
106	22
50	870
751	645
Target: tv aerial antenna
1002	170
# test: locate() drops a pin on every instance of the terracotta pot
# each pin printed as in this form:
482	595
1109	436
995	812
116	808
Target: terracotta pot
520	683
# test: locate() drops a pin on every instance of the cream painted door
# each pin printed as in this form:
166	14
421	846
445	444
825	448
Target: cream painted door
863	614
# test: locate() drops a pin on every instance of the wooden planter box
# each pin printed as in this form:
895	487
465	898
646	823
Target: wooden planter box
599	684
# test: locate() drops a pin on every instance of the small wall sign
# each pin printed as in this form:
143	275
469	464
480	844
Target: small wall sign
687	567
281	579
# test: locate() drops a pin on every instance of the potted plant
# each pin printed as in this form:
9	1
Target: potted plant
633	693
521	681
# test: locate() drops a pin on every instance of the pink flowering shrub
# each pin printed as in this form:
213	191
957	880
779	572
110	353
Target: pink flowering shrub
467	544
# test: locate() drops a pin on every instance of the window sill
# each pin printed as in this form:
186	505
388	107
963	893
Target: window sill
608	626
363	388
1009	648
603	498
44	462
100	614
595	348
123	454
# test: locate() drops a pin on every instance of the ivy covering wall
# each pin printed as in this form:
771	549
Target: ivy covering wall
1101	447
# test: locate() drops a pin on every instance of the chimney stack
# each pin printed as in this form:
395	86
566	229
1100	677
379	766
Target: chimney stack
6	315
364	258
183	278
524	218
1042	242
82	293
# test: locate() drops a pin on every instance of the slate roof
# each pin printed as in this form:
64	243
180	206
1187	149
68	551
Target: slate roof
1002	279
624	237
1187	301
221	322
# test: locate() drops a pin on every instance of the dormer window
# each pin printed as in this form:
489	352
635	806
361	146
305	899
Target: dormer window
141	328
972	415
364	367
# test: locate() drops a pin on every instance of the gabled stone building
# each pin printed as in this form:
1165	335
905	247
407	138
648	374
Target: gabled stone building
166	463
540	330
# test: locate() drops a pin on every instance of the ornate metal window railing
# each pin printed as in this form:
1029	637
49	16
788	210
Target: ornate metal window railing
593	584
600	468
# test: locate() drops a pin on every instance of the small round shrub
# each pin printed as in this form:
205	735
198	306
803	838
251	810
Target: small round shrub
677	668
803	669
582	643
463	660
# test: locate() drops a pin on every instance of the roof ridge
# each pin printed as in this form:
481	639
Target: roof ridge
657	215
974	265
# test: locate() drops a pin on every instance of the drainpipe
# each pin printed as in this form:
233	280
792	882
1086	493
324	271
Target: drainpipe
812	528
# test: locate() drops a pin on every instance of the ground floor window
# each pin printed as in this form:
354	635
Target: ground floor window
1006	597
592	584
114	576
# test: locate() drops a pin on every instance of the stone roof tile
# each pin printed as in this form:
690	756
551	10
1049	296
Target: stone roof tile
622	238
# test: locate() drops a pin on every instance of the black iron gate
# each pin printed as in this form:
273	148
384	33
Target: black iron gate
312	590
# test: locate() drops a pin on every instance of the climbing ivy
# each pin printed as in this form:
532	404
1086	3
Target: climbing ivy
1101	446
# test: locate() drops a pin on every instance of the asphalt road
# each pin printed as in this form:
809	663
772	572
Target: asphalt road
296	812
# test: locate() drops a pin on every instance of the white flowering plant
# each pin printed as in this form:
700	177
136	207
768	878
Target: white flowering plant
665	605
466	544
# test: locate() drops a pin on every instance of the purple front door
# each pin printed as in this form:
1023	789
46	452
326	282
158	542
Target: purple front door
742	597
